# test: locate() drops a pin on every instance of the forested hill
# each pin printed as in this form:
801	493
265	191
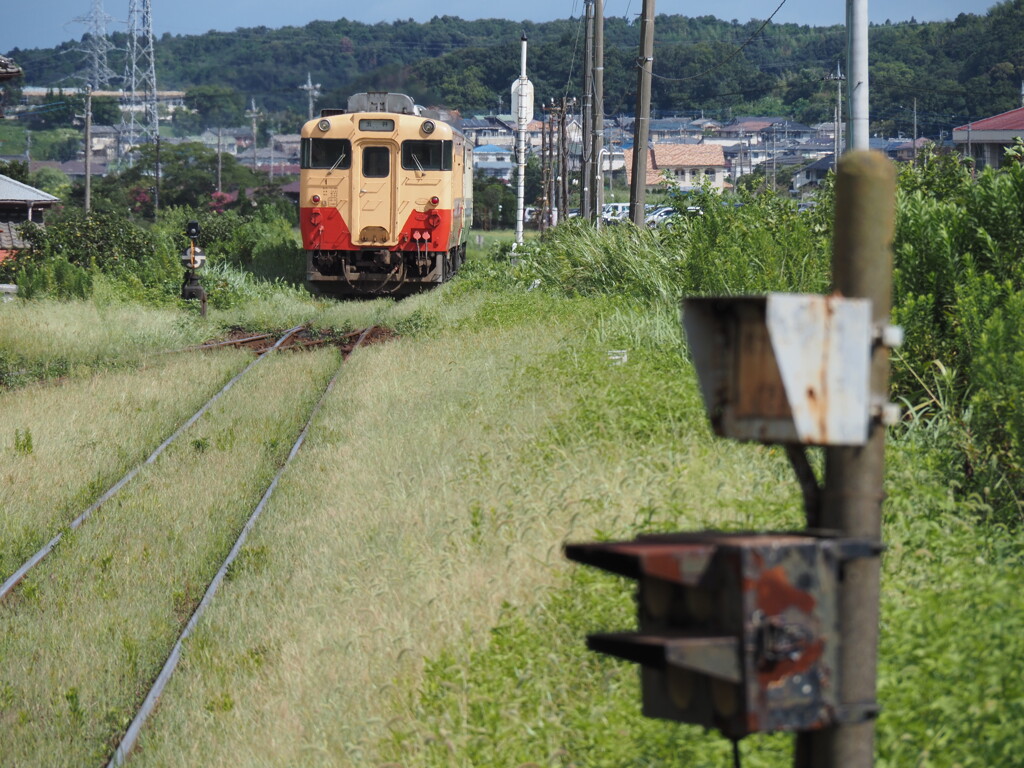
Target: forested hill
967	68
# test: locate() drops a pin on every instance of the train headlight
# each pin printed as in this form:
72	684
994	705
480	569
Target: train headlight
324	125
428	127
435	200
316	198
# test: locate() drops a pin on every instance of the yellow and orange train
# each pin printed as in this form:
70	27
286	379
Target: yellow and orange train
386	198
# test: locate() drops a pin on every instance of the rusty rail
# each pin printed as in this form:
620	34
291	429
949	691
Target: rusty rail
131	735
33	561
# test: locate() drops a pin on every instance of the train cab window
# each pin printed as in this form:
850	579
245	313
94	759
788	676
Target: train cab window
427	155
326	153
376	162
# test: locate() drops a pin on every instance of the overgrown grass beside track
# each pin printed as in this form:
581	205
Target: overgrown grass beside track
89	628
404	600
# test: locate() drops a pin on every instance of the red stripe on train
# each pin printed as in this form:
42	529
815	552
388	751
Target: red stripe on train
323	229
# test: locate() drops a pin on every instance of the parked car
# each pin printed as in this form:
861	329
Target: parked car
660	216
613	213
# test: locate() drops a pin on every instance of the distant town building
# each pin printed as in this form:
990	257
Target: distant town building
687	166
494	161
986	140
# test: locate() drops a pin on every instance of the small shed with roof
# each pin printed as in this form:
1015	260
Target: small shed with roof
19	203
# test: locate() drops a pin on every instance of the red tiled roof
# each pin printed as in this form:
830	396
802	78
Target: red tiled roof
1007	121
662	156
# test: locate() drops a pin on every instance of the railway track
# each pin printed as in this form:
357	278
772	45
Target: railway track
262	346
131	736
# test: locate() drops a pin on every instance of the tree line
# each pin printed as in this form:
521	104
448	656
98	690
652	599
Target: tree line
953	71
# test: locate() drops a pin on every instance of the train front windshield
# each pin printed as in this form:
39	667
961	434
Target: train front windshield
427	155
326	153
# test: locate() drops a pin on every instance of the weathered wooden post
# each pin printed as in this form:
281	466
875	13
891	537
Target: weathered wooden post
852	496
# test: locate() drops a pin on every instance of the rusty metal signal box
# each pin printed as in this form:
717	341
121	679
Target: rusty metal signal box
784	368
737	631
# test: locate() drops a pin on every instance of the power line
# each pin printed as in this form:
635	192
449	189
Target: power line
729	58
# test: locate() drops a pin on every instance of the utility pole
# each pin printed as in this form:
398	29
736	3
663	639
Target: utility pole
545	173
220	165
596	187
851	500
156	188
915	130
563	159
522	108
312	92
253	113
587	111
857	48
839	79
774	135
88	149
641	125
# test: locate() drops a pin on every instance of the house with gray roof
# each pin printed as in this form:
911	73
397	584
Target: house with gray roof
19	203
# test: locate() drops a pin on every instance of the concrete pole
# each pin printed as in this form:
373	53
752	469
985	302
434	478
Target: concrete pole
915	130
641	125
852	496
857	50
88	149
522	109
587	115
220	164
253	114
596	185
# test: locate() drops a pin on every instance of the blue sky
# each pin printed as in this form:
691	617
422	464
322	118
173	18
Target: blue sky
26	25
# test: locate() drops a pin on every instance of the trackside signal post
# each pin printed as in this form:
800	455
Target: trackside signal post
757	631
193	259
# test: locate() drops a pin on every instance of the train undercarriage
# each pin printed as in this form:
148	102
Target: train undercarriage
379	272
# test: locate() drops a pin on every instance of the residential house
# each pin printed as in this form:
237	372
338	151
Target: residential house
489	129
812	175
787	132
687	166
494	161
986	140
19	203
669	131
906	151
105	140
748	128
73	169
741	157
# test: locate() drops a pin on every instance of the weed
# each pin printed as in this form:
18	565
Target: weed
23	442
75	710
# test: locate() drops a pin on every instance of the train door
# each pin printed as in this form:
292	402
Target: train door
375	179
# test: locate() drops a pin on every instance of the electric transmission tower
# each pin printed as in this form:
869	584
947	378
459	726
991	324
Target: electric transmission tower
140	123
96	47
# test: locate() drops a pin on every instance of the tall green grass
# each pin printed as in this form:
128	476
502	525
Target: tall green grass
90	626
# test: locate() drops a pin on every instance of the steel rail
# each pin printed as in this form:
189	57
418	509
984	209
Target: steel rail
231	342
33	561
131	735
